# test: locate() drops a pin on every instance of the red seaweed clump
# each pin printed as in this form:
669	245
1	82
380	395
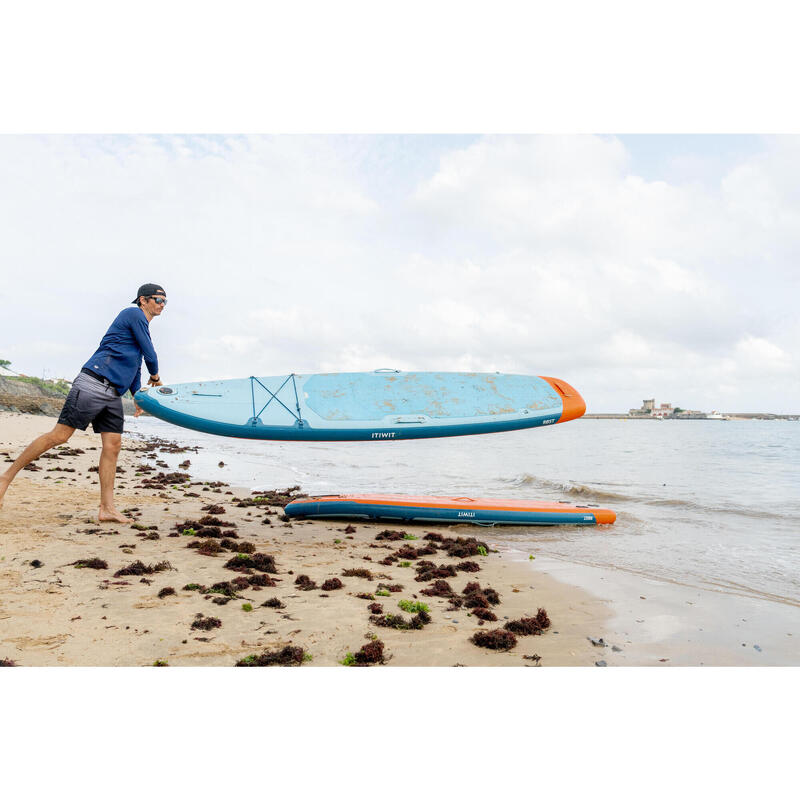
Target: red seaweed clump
463	547
331	584
273	602
398	621
139	568
391	587
390	536
365	596
208	547
276	497
225	588
468	566
89	563
287	657
214	509
202	623
7	662
357	573
262	579
442	571
529	626
370	653
208	519
375	608
475	597
486	615
304	583
439	588
433	537
496	639
166	591
244	562
407	551
388	561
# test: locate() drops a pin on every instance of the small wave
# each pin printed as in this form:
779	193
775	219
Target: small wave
590	493
573	489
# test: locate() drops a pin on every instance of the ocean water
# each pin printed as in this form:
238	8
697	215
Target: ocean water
708	504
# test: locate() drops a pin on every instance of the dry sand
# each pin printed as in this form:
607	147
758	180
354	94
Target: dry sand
58	614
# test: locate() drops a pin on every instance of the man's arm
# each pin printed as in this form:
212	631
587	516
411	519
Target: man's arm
142	334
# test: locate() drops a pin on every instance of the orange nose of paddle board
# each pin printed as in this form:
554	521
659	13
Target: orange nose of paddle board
571	401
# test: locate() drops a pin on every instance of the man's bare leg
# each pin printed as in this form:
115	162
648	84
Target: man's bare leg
112	443
59	435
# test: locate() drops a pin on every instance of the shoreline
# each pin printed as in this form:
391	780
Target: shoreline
52	614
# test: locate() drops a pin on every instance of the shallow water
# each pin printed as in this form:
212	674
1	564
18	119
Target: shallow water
711	504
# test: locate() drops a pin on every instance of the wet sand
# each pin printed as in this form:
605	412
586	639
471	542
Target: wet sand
59	613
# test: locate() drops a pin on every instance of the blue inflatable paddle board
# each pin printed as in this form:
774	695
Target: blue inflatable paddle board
480	511
364	406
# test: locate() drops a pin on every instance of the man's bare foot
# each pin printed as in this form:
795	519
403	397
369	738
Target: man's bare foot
111	515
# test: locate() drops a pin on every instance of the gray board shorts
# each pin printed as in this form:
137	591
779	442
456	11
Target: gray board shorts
91	400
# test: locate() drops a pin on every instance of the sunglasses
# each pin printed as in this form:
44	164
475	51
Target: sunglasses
162	301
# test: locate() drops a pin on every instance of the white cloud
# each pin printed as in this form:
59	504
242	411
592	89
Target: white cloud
548	255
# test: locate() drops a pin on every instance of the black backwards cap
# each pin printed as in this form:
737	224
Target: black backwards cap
146	289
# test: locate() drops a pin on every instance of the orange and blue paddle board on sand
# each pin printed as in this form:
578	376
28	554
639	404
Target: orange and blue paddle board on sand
479	511
383	405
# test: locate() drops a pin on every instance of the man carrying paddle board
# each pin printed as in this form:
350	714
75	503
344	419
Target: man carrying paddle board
96	394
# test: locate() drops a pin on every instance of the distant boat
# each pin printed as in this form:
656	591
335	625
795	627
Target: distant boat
715	415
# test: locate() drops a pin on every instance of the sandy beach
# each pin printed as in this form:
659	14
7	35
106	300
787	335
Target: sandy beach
56	611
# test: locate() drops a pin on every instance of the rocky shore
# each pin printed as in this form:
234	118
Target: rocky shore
34	398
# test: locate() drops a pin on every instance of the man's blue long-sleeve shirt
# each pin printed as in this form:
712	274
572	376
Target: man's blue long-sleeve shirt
119	355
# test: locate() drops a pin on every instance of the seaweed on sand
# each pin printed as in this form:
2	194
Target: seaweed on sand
273	602
485	614
89	563
400	622
7	662
468	566
211	520
365	596
407	551
262	579
166	591
529	626
208	547
463	547
202	623
431	573
214	509
391	587
331	584
390	536
289	656
357	573
439	588
496	639
375	608
139	568
475	597
304	583
243	562
276	497
370	653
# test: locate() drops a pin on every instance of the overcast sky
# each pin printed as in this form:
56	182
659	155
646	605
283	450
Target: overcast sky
630	266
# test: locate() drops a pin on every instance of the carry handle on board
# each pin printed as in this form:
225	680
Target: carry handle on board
386	369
